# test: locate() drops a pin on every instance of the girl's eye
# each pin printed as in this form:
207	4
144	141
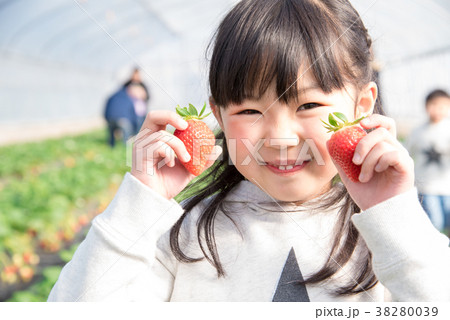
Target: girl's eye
308	106
248	111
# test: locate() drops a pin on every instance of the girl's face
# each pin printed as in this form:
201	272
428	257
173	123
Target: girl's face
282	147
438	109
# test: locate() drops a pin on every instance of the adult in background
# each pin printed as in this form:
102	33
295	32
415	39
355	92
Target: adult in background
429	145
120	116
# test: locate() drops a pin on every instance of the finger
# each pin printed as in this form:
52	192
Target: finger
171	162
379	121
372	159
153	156
398	159
369	141
169	158
159	119
160	153
175	143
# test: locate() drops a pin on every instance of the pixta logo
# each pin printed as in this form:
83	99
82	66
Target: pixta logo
151	150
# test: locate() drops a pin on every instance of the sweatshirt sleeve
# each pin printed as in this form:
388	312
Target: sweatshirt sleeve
410	257
118	260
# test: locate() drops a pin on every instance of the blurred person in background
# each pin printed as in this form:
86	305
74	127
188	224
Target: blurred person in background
120	116
140	95
137	79
429	145
126	109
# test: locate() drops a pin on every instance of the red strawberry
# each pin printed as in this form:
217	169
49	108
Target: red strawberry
198	138
343	143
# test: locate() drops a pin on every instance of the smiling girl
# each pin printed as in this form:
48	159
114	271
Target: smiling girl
270	221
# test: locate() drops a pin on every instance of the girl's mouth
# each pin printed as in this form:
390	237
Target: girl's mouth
286	169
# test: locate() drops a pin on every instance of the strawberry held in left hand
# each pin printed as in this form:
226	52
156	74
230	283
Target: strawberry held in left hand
198	139
343	143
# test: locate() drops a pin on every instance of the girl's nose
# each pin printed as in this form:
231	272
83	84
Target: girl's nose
282	134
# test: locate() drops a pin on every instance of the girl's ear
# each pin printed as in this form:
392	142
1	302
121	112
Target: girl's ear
216	111
366	100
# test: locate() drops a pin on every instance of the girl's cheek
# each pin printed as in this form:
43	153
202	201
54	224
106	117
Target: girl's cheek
234	128
243	131
320	150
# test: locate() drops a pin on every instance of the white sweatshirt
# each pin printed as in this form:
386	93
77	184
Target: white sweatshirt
429	146
126	255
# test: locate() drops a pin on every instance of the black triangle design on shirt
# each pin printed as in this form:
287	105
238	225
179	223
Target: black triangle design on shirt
288	289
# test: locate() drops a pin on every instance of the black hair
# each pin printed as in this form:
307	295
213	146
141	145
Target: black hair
438	93
257	43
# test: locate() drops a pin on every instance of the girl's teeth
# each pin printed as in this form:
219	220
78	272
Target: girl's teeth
285	167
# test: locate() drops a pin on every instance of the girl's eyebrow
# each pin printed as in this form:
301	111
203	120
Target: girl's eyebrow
232	105
246	100
309	88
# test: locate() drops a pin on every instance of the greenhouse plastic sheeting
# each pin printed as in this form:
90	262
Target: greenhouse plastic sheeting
61	58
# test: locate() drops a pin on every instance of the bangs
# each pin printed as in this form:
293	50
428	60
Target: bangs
261	43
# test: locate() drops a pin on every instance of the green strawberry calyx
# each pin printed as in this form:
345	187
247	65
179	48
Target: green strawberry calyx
191	112
334	124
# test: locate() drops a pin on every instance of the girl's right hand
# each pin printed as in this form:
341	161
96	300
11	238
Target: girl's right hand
157	154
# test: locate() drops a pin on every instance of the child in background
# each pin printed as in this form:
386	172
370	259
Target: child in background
270	222
429	145
138	95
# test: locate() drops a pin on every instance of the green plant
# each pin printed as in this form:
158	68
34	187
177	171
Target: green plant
48	191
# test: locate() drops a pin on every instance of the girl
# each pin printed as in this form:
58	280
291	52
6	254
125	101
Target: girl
270	222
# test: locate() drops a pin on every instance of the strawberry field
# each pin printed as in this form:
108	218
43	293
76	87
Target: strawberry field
49	193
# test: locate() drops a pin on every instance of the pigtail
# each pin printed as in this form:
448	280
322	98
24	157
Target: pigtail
220	179
343	249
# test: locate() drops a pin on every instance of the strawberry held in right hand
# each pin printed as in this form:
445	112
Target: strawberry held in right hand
159	157
197	137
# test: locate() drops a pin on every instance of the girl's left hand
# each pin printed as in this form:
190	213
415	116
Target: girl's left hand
387	169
